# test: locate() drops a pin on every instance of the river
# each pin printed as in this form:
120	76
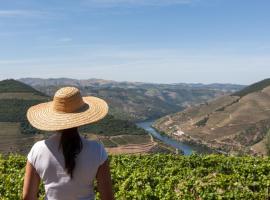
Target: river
187	149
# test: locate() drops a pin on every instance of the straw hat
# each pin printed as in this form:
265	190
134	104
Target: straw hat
67	110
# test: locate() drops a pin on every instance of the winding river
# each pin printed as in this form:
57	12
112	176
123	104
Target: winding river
147	125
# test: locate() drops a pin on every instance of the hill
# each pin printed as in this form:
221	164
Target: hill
12	86
253	88
17	135
139	101
234	123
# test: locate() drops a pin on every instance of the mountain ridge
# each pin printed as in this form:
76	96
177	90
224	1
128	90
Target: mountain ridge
88	82
138	101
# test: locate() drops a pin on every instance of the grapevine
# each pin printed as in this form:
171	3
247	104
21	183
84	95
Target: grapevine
165	176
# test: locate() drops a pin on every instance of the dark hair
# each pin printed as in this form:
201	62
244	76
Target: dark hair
71	144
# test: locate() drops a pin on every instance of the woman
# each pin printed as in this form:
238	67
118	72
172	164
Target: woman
67	163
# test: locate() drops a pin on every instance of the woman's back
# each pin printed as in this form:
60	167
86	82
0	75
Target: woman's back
66	162
48	160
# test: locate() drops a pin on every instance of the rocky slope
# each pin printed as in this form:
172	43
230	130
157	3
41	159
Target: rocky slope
233	123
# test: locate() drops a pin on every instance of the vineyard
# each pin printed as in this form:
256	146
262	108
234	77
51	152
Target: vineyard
161	176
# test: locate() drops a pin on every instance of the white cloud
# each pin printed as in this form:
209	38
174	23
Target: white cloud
65	39
112	3
22	13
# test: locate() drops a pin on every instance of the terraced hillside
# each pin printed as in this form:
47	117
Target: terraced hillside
17	135
139	101
234	123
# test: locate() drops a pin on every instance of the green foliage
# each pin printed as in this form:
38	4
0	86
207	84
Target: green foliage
253	133
14	110
110	126
202	122
11	177
222	108
11	85
167	177
267	143
253	88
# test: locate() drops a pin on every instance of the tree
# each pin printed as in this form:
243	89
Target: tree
267	143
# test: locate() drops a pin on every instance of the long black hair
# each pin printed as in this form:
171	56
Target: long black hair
71	144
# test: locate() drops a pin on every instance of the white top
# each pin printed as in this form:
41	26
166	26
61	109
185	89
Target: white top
49	164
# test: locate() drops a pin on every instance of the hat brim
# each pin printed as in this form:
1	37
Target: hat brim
44	117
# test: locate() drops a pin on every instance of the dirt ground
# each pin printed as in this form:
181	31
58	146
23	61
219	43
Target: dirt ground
132	148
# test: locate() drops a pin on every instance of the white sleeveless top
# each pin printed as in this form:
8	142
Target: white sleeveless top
50	165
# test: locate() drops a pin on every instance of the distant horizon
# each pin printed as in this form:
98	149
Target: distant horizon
136	81
123	81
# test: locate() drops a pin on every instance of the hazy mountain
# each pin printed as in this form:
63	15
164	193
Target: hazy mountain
39	82
139	101
231	123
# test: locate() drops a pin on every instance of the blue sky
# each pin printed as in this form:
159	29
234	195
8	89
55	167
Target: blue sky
163	41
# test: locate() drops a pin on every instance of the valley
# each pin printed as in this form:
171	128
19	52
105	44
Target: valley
222	120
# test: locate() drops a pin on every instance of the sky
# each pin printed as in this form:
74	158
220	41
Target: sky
158	41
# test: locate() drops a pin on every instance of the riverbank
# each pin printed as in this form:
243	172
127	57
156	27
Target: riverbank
186	148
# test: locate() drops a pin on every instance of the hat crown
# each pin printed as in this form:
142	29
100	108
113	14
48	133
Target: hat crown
67	100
